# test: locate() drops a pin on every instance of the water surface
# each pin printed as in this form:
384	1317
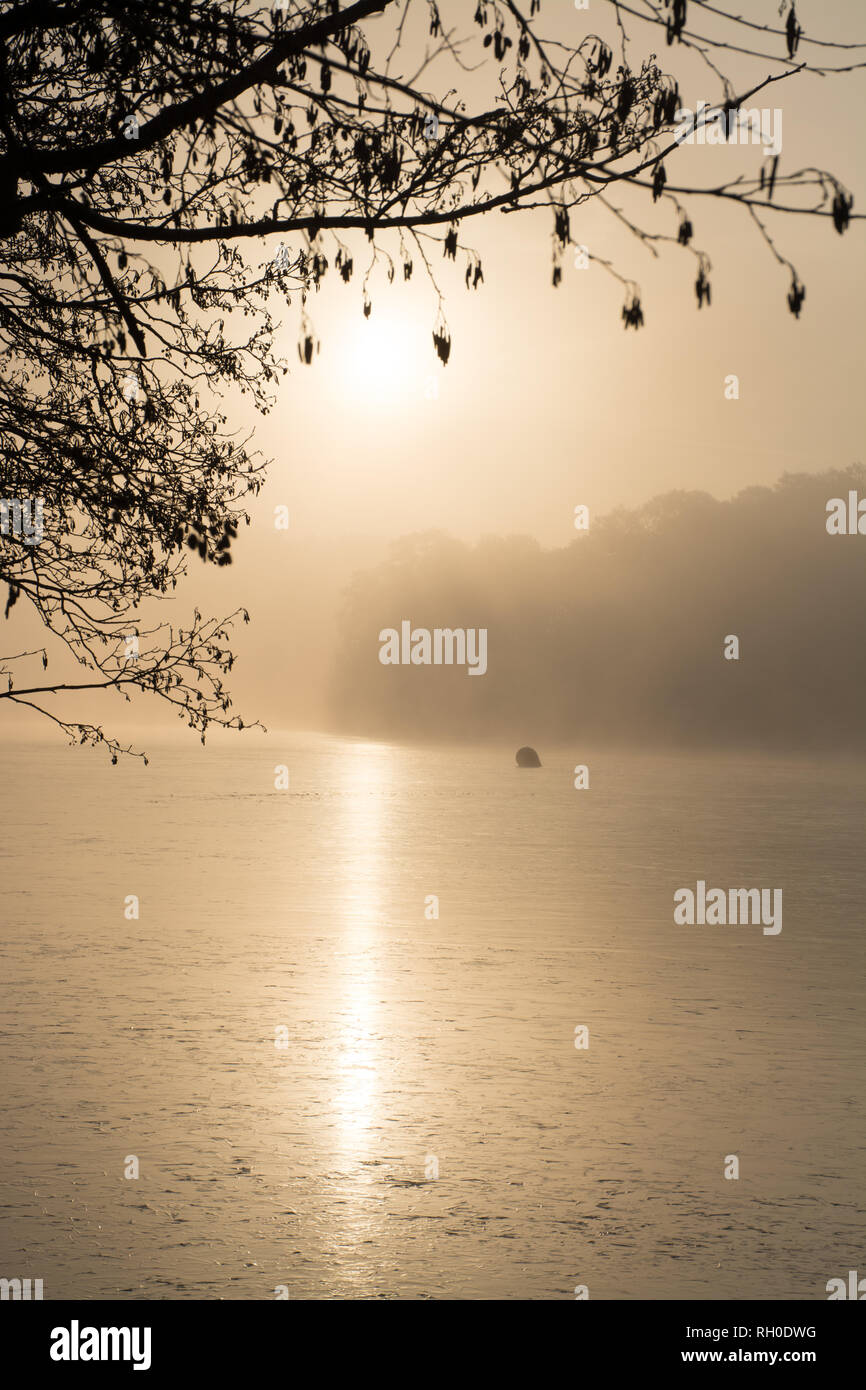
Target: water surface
410	1038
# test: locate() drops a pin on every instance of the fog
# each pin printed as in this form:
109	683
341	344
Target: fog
620	636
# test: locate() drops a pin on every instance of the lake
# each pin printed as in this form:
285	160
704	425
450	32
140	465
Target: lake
330	1090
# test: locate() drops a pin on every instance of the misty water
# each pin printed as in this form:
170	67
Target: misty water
413	1043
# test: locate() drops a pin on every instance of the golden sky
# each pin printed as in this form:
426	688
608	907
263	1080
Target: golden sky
547	402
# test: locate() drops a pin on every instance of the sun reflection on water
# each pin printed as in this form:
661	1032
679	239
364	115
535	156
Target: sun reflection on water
368	774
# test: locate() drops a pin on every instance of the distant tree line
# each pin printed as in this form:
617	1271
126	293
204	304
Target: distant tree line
620	635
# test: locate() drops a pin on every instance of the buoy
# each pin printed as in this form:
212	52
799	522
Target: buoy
527	757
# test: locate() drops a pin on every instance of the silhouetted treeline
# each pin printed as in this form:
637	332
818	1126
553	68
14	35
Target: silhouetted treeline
620	635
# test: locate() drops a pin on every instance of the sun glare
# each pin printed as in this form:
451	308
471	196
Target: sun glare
382	363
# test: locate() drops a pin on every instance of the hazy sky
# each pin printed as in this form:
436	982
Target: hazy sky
547	401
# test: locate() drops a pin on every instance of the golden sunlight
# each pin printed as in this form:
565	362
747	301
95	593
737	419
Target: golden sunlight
367	778
384	362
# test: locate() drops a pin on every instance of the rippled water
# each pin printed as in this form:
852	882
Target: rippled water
411	1039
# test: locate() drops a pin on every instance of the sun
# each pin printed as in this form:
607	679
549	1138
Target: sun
381	362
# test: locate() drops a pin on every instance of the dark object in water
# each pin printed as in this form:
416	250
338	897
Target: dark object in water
527	757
